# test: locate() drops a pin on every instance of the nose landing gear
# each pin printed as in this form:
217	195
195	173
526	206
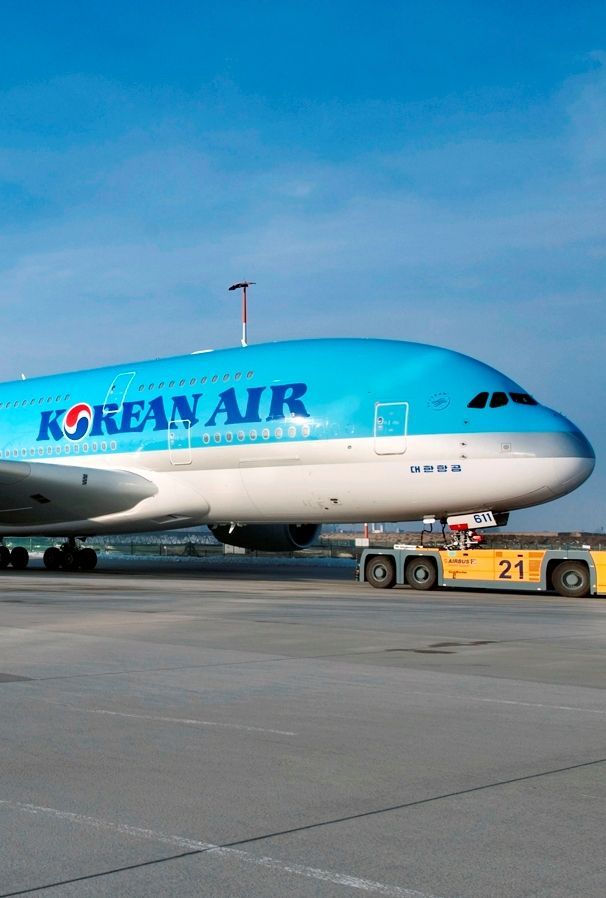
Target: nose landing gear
70	557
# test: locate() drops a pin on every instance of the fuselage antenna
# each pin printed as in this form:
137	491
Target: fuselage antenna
243	286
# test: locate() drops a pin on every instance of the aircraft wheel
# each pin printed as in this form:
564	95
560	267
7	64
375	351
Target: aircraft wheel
70	560
19	558
421	573
381	572
571	578
5	557
87	559
52	559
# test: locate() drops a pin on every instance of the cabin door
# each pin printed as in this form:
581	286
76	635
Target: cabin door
179	441
391	428
117	392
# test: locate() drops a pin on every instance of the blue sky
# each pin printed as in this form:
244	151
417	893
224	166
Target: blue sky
427	171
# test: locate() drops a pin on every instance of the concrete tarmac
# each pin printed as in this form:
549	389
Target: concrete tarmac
235	730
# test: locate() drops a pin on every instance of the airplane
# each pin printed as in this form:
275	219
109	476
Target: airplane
266	443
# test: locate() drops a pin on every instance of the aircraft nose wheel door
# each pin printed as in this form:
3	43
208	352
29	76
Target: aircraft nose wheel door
391	428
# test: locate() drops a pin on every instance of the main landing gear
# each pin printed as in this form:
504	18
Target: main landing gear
17	558
70	557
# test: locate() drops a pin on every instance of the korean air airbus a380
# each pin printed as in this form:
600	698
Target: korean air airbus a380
266	443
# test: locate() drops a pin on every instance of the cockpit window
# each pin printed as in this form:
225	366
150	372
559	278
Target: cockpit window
478	401
499	399
523	399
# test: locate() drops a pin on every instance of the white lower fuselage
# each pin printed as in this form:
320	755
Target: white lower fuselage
336	481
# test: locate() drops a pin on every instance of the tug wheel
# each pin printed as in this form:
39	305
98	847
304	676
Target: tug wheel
421	573
381	572
571	578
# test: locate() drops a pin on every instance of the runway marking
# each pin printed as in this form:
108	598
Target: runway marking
506	701
196	847
184	720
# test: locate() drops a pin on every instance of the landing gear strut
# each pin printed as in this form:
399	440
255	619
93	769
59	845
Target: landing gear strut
70	557
466	539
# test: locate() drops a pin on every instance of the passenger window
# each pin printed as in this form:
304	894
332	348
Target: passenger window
498	399
478	401
523	399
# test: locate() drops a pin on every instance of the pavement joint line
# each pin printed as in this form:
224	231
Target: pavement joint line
145	670
230	850
193	847
282	659
419	802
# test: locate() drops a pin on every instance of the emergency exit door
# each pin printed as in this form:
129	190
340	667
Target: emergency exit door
391	428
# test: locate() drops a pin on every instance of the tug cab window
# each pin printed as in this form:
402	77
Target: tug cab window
498	399
478	401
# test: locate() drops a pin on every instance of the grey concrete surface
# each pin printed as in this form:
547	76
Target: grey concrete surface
237	729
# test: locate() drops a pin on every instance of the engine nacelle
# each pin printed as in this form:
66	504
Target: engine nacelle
267	537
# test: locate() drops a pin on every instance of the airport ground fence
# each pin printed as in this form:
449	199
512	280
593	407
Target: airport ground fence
194	544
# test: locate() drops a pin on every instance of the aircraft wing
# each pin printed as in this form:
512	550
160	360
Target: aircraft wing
37	493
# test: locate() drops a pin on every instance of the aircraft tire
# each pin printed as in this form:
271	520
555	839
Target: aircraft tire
19	558
421	573
70	560
87	559
5	557
52	559
380	572
571	579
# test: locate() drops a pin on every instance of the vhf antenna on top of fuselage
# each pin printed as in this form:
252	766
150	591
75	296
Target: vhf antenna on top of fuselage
243	286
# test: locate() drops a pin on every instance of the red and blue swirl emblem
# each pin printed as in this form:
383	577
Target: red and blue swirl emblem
77	421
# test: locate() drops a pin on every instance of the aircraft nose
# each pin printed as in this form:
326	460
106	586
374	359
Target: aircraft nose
573	461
